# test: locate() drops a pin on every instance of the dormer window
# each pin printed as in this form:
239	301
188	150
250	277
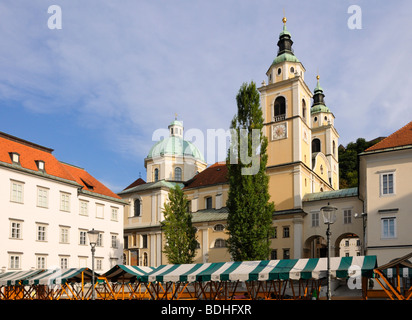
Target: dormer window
40	165
15	157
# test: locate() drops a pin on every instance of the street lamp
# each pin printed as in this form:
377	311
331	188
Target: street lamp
329	217
93	236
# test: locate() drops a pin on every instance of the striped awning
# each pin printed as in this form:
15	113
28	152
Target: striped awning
60	276
128	273
12	278
295	269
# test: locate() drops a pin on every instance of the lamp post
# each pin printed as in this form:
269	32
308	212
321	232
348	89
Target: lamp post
93	236
329	217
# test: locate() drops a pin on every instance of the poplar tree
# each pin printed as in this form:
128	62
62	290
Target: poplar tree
250	212
177	226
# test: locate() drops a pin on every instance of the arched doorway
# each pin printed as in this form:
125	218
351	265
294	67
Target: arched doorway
315	247
348	245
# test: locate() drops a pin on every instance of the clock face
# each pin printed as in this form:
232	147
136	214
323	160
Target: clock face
279	131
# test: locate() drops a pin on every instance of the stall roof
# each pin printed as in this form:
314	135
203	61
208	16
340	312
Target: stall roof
60	276
295	269
12	278
130	273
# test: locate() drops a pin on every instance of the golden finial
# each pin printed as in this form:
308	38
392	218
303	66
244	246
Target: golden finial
317	77
175	116
284	17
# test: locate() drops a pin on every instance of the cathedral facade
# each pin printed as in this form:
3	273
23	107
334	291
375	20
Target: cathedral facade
303	170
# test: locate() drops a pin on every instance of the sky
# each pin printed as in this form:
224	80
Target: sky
97	89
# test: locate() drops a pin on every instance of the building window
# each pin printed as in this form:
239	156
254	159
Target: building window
304	110
42	197
15	230
387	183
114	241
15	157
156	175
347	216
41	233
64	235
99	242
137	211
145	259
40	165
17	192
64	262
286	253
64	202
388	228
178	174
100	211
274	233
208	203
286	232
220	243
84	208
82	237
315	145
144	241
99	264
274	254
41	262
280	109
114	214
14	261
315	219
219	227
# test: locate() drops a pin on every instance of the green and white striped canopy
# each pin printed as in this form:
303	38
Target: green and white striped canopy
59	276
12	278
294	269
128	273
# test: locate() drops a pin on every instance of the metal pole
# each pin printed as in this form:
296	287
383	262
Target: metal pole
329	274
93	293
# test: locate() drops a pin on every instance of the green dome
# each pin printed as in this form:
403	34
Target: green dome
319	108
285	57
176	123
175	145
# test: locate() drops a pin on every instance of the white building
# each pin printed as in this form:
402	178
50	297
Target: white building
48	206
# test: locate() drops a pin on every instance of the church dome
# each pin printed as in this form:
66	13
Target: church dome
175	146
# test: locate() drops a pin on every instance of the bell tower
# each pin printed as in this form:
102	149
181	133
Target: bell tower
285	101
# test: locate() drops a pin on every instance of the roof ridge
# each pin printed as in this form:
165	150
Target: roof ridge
377	146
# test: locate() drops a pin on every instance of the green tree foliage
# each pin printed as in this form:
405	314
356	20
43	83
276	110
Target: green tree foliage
250	212
348	161
177	226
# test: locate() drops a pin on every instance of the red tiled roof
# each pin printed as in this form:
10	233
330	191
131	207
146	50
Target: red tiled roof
215	174
88	182
400	138
135	183
30	153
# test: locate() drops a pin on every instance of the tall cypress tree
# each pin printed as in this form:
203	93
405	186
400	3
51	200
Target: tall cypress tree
250	212
179	232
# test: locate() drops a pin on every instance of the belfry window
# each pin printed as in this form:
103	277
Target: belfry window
280	109
315	145
156	174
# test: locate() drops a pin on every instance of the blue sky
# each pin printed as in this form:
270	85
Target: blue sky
97	89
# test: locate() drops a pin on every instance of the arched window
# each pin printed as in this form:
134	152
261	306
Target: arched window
219	227
156	175
178	174
137	211
315	145
280	109
145	259
220	243
304	109
334	147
